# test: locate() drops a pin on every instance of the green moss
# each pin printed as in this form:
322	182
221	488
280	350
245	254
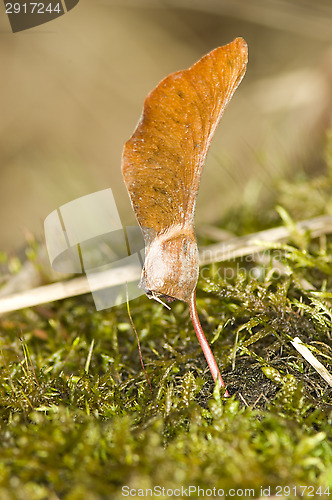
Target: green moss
79	421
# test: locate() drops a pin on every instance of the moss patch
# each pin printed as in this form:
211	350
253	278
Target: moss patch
79	421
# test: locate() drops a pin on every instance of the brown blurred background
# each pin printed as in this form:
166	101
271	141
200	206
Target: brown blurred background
72	92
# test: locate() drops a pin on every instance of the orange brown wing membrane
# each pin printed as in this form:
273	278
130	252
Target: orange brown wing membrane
162	165
163	160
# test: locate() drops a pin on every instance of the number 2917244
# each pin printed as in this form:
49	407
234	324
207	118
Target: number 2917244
32	8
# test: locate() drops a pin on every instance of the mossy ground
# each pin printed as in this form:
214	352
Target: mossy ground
79	421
